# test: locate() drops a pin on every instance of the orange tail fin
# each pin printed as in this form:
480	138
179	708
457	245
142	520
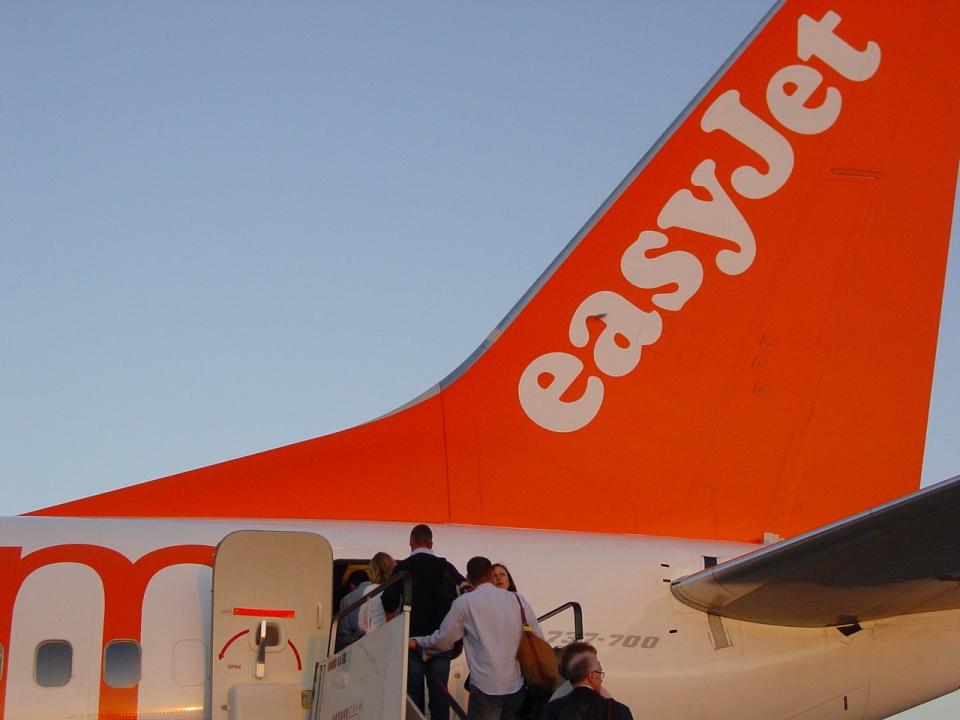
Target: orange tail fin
740	341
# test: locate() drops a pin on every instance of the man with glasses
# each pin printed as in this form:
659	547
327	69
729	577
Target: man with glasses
585	701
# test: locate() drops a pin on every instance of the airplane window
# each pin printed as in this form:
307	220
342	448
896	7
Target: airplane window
54	663
121	663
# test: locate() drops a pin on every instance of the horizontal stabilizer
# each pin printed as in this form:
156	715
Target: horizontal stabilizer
898	559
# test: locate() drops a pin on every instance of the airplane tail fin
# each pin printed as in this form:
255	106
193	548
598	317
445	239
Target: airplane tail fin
739	342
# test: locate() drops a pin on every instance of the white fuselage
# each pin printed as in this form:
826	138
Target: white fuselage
662	658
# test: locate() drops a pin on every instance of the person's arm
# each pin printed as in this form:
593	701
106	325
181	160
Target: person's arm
446	636
363	619
365	616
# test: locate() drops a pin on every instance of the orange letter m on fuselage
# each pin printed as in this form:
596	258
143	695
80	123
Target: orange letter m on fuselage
124	585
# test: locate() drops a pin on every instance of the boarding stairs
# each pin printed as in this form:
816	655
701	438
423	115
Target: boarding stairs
367	679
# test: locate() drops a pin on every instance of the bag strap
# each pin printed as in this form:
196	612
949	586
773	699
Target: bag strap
523	615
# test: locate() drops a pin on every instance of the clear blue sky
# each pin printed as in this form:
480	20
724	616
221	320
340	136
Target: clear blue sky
227	227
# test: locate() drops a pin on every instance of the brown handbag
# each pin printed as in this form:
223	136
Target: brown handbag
538	662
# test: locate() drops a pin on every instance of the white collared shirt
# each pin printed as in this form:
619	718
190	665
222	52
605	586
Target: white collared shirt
488	621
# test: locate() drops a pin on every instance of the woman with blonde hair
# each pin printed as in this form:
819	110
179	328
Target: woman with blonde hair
379	569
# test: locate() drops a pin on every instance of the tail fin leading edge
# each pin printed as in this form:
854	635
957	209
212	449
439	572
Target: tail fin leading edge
741	342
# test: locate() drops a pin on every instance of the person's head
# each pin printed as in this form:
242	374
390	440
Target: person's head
356	578
381	567
571	652
502	577
421	537
479	570
585	669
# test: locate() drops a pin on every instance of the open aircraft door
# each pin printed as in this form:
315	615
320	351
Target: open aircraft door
271	617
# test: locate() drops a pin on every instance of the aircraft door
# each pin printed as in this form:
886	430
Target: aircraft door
271	618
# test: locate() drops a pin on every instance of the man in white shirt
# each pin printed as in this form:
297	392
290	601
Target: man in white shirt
488	621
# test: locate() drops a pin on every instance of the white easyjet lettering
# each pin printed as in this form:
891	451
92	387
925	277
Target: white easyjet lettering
727	114
718	217
627	328
816	37
542	403
789	109
622	319
681	268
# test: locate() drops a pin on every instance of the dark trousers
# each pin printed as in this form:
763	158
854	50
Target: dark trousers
493	707
439	667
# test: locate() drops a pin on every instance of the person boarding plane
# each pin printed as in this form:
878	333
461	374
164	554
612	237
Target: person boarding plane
734	356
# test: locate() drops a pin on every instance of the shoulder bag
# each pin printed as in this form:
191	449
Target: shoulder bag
538	662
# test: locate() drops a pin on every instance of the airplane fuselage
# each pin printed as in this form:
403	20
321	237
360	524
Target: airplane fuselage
92	583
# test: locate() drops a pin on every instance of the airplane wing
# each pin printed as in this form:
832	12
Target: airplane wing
899	558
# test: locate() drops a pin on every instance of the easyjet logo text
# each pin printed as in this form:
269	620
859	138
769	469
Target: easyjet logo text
626	328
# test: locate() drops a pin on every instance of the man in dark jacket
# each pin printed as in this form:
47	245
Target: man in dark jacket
435	584
585	701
